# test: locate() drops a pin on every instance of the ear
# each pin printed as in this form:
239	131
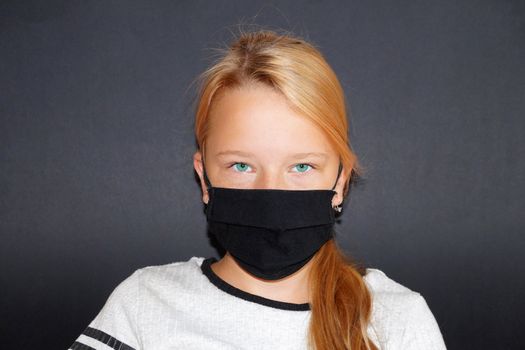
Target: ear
337	199
198	166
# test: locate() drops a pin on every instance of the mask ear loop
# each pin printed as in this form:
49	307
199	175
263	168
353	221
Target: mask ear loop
206	179
339	207
338	173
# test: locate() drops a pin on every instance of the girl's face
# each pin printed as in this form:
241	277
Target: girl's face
256	141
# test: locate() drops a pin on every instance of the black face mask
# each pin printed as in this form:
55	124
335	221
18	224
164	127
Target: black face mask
271	233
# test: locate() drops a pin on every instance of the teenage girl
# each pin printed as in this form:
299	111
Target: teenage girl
275	165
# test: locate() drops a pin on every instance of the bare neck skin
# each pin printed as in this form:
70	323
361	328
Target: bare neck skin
291	289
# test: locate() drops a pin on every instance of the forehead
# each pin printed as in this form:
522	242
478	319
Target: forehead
257	118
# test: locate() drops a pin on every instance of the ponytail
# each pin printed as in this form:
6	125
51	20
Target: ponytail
341	303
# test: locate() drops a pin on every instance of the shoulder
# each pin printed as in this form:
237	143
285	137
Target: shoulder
390	296
166	275
178	267
401	314
147	284
119	320
156	275
380	283
390	299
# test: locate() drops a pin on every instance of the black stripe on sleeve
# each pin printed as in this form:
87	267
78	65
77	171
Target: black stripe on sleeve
106	339
79	346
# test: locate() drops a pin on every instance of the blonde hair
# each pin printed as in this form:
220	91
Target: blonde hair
341	302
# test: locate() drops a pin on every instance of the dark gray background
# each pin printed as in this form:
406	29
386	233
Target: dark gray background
97	138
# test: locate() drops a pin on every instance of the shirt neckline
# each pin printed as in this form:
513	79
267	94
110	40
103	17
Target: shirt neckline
228	288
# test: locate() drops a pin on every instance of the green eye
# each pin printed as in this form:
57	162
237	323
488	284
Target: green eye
302	167
241	167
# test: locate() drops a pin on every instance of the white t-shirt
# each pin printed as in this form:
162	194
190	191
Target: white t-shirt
185	305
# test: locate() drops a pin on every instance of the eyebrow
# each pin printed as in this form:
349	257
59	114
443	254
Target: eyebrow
295	155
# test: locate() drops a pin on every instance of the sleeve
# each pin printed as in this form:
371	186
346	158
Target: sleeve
115	326
422	330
